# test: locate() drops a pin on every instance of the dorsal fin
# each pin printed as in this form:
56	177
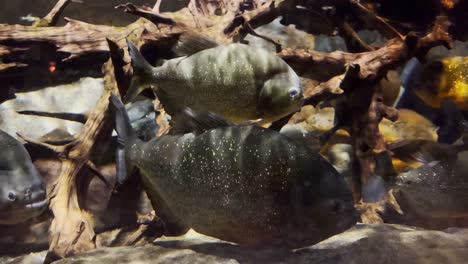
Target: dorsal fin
190	121
190	43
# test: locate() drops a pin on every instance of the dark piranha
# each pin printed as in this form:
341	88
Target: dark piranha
235	81
244	184
22	191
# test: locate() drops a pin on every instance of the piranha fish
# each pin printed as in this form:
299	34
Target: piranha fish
235	81
244	184
22	190
435	195
443	79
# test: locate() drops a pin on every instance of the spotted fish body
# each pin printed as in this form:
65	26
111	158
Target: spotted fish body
244	184
22	190
235	81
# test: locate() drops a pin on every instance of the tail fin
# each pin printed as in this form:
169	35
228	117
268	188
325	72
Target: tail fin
142	73
125	134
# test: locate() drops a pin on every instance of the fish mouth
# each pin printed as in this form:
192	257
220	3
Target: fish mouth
38	205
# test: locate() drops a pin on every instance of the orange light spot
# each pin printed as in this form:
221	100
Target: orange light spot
52	66
448	4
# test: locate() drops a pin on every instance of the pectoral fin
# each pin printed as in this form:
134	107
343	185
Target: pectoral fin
190	43
190	121
125	135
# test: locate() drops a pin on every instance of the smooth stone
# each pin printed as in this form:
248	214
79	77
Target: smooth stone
361	244
79	97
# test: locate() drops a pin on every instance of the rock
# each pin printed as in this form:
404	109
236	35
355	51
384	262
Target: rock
78	97
389	244
32	258
362	244
326	43
459	49
372	37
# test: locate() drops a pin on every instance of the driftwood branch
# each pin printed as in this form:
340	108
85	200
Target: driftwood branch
376	21
53	16
361	107
242	24
374	65
147	13
354	43
72	229
80	118
56	149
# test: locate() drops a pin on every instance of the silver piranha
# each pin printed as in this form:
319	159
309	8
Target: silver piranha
235	81
244	184
22	190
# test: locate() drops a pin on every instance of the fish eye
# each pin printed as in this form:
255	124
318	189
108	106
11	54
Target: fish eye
11	196
293	91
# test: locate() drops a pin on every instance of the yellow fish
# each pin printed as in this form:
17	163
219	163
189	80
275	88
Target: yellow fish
443	79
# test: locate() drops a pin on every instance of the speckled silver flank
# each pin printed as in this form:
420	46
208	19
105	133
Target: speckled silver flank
236	81
244	184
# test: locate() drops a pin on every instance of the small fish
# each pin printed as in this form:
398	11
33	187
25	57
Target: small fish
244	184
22	190
29	18
235	81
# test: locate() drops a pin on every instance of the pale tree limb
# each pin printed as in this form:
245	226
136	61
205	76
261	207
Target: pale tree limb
56	149
242	24
72	229
147	13
53	16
